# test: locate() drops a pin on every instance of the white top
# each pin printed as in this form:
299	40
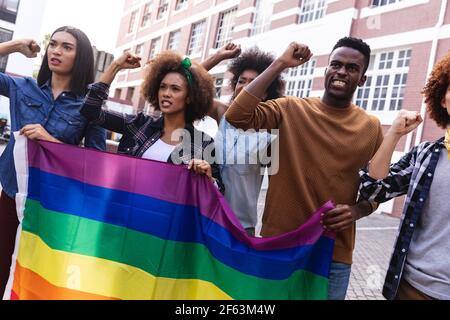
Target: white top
159	151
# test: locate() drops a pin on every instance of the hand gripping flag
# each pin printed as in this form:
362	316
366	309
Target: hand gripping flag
104	226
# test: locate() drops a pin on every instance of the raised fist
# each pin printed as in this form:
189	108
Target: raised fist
128	61
29	48
405	122
229	51
295	55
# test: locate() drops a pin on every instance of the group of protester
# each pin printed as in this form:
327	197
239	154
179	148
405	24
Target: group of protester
328	148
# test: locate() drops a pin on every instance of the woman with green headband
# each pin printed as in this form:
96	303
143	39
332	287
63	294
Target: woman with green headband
183	91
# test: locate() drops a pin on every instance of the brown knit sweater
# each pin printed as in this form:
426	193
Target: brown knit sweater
321	150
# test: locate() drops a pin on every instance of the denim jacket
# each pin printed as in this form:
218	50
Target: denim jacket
30	103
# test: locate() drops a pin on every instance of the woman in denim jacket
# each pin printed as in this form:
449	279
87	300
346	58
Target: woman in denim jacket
49	110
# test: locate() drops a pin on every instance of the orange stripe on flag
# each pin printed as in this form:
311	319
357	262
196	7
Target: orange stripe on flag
28	285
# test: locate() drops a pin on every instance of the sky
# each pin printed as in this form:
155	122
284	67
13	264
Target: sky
99	19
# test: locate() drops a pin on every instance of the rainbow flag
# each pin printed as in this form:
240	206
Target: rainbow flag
104	226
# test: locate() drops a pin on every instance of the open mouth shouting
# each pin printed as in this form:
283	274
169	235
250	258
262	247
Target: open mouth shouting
165	103
55	61
339	84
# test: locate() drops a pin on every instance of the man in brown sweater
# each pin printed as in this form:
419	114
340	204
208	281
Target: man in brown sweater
323	142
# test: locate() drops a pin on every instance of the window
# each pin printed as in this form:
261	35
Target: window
384	89
218	84
162	9
101	61
174	40
130	93
118	93
312	10
181	4
155	47
8	10
225	27
5	35
146	15
263	14
379	3
132	22
362	96
195	42
139	49
299	80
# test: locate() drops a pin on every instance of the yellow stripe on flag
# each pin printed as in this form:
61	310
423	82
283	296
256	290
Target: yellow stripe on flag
107	278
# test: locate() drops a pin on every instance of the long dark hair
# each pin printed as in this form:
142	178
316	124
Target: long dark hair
83	68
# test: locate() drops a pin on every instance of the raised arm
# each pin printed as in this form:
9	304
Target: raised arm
98	93
126	61
28	47
229	51
405	122
247	111
295	55
383	181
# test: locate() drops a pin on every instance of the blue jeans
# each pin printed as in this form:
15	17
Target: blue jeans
339	279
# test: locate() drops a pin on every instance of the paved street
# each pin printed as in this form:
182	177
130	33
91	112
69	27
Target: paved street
374	243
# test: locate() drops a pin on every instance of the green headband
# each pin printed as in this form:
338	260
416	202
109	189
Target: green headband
186	63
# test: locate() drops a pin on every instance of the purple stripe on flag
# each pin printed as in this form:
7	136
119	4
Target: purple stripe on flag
125	173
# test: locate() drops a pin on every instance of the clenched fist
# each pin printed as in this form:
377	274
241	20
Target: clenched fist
128	61
295	55
405	122
28	47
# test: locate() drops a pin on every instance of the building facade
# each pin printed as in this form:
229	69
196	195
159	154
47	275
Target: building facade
18	19
407	37
102	60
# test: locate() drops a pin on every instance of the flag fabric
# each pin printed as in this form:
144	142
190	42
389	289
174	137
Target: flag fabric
104	226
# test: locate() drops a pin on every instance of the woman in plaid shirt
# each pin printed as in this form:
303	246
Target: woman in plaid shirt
183	92
420	264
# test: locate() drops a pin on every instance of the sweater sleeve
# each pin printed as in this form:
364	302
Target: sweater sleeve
248	112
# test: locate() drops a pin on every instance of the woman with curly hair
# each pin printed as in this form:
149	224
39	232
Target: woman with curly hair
419	267
182	91
242	172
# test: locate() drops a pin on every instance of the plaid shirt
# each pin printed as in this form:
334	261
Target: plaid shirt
413	175
140	132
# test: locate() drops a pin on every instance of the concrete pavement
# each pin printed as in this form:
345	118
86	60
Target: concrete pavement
375	237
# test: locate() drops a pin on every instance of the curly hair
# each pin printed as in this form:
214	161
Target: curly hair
357	44
435	90
256	60
201	88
